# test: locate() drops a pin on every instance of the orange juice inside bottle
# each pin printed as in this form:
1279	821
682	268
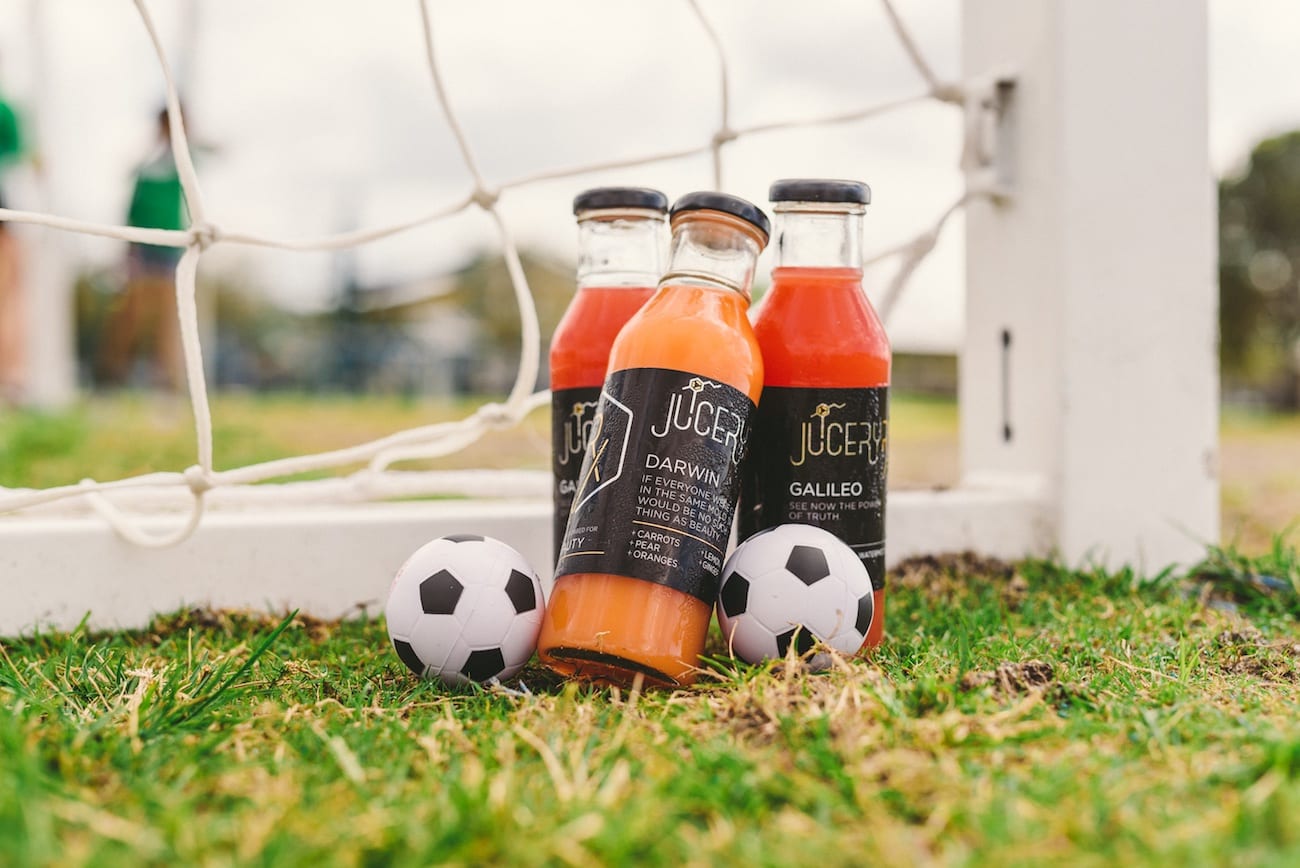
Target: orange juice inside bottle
819	453
620	261
644	547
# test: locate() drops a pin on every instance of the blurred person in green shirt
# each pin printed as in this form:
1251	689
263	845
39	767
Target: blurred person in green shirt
12	307
145	312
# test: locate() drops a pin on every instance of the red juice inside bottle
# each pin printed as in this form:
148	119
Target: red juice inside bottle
621	241
819	450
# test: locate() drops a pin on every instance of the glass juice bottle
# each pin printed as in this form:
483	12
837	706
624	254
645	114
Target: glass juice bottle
621	243
643	552
818	454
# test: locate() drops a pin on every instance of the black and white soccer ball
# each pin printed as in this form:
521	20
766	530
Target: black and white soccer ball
794	584
465	608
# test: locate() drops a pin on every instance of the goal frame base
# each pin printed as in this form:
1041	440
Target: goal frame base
337	562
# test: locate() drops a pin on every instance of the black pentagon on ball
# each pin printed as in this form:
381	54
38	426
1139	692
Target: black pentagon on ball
440	593
803	641
866	610
409	657
483	664
735	595
808	564
464	537
519	588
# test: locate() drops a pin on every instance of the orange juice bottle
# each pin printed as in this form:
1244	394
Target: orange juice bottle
621	235
643	552
818	454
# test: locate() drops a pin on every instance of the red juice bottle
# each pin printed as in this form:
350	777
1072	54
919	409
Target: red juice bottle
643	553
621	243
819	451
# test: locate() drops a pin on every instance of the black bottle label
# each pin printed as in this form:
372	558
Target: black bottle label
819	457
659	482
573	412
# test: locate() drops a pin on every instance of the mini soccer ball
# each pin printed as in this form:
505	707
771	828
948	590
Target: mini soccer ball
465	608
794	583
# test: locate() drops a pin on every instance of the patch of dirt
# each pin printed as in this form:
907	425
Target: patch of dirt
1014	592
1264	666
234	621
1241	634
755	710
539	679
1243	650
947	576
1010	679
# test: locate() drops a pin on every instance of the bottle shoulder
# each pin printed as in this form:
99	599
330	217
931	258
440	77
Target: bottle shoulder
816	327
581	343
697	330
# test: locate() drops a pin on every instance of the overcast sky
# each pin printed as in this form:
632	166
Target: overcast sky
320	116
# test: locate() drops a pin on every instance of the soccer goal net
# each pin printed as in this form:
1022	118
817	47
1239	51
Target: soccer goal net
1087	368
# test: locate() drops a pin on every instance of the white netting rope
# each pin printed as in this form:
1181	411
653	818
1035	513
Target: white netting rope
202	483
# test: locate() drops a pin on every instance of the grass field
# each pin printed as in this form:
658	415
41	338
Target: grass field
110	438
1020	715
1016	713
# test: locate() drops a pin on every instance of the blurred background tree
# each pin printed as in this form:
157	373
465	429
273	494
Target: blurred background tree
1259	274
452	335
482	289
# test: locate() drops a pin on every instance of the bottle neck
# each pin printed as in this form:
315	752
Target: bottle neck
819	235
713	250
620	248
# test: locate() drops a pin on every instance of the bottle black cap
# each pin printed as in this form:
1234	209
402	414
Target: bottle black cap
620	197
819	190
733	205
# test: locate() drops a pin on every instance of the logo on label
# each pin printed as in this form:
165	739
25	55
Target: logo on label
819	436
690	410
658	487
820	457
607	447
576	431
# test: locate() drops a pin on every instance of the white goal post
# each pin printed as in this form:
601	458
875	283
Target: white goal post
1092	299
1088	375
